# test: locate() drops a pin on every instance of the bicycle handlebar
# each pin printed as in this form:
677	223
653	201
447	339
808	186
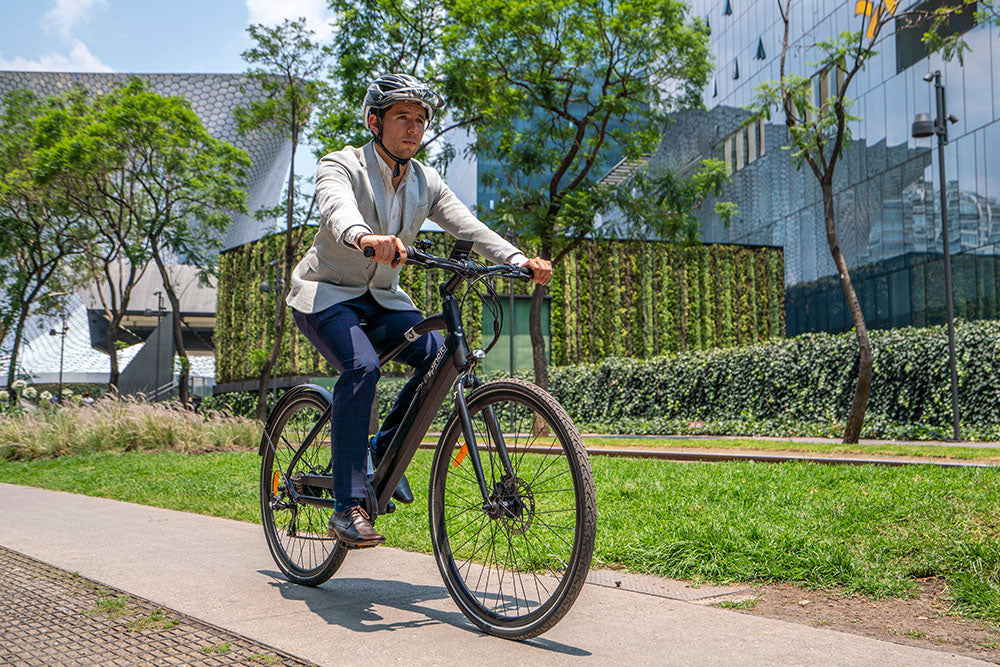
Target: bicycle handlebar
426	260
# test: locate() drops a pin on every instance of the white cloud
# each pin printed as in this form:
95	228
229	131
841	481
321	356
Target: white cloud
66	14
79	59
269	12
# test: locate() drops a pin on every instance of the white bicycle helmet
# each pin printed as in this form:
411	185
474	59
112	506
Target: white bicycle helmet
391	88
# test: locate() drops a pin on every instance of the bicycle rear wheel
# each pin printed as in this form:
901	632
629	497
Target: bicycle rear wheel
516	565
297	533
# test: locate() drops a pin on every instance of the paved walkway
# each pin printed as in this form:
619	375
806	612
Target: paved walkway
388	605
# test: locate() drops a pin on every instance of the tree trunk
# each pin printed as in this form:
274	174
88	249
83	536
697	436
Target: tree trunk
18	336
540	360
859	404
113	327
175	305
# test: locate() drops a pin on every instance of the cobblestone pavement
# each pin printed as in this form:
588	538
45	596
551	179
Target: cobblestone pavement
51	617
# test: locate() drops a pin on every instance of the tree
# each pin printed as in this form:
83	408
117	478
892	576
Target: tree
191	183
40	230
545	81
284	63
87	166
819	132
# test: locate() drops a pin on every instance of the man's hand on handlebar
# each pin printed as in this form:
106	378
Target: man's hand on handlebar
387	249
541	269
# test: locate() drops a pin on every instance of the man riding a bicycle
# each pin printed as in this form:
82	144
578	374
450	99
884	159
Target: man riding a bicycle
350	306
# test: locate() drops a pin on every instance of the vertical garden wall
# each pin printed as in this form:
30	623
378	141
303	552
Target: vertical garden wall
641	299
609	298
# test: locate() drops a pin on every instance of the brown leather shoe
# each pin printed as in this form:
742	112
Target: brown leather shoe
352	526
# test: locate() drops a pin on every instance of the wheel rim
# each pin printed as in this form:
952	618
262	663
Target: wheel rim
510	561
297	533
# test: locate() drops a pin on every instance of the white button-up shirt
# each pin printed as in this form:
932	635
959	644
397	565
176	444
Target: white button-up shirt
396	197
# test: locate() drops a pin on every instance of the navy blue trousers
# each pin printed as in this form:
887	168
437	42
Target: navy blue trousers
351	335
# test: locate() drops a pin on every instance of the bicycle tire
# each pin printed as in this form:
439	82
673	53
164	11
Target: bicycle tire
297	533
545	451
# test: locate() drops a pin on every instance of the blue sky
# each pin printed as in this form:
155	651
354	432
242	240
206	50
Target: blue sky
140	35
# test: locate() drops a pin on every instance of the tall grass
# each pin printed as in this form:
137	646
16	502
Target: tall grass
119	425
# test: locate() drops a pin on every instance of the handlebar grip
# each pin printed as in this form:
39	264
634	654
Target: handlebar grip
370	252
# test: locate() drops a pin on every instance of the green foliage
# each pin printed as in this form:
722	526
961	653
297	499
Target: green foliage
40	231
284	62
144	178
544	81
938	38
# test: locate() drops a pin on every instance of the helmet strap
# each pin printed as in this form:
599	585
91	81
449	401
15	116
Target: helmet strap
400	162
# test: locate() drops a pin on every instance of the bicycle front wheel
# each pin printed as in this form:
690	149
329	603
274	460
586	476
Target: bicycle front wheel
516	563
297	533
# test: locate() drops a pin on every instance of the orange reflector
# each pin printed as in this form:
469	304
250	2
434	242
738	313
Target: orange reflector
274	483
461	455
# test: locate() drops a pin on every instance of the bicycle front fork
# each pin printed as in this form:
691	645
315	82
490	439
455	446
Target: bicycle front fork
494	437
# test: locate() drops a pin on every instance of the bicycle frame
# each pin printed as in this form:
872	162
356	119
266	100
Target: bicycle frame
449	371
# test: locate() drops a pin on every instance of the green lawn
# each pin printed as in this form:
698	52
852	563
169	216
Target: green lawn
782	446
868	530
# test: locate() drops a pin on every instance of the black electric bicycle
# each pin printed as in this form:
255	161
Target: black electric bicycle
512	502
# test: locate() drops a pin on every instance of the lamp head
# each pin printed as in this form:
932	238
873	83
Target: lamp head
923	126
929	77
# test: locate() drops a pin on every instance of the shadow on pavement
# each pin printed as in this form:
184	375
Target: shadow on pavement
350	603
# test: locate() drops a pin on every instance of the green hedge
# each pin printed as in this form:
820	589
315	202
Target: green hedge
655	298
806	379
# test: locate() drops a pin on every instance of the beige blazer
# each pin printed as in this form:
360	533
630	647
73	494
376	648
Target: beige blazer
350	192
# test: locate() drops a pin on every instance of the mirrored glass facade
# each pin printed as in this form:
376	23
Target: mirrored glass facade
887	195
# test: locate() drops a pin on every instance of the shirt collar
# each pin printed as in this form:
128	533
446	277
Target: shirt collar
387	170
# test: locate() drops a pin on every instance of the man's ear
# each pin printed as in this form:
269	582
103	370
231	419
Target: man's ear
373	122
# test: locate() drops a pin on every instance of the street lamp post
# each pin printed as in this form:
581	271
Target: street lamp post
62	348
923	126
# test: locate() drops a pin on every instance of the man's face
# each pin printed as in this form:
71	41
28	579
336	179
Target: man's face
402	128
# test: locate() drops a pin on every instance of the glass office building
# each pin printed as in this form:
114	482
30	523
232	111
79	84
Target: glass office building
887	195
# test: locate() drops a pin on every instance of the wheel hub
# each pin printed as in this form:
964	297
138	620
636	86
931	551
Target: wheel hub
513	503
